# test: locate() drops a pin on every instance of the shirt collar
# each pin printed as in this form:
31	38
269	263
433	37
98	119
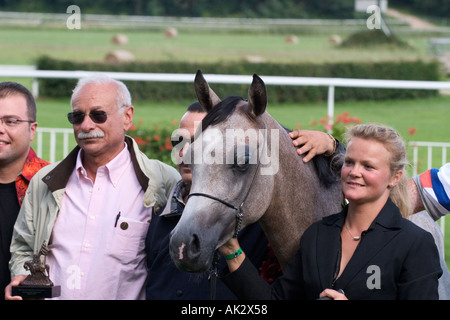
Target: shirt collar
389	217
175	203
114	169
32	165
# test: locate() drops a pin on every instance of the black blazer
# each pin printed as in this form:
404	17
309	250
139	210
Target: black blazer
395	259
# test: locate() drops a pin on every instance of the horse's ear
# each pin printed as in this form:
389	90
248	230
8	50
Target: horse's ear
205	95
257	96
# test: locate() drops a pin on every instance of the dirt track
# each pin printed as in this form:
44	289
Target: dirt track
413	21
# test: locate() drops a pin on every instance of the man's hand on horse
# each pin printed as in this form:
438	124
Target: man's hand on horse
311	143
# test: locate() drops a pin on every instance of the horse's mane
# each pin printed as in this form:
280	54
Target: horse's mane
327	168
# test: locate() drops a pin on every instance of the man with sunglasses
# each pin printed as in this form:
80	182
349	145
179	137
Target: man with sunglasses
94	207
165	281
18	162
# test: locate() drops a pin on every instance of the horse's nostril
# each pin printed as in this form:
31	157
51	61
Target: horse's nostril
194	246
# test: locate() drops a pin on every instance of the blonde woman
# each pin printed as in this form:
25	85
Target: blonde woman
368	250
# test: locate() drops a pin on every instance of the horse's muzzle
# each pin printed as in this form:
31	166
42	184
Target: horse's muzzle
188	253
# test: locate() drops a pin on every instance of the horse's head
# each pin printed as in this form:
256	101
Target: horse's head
227	157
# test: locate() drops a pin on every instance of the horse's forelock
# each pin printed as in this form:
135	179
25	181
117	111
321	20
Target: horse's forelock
223	111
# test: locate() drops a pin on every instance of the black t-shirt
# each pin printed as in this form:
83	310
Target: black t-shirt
9	209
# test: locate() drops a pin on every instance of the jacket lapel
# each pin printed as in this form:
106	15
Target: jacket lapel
329	248
382	230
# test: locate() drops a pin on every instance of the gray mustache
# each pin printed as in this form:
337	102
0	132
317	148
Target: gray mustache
90	134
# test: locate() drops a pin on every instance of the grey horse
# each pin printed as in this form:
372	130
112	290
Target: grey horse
246	169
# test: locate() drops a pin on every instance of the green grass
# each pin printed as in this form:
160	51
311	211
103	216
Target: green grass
23	45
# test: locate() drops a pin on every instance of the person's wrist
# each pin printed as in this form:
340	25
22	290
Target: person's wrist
332	147
234	254
235	262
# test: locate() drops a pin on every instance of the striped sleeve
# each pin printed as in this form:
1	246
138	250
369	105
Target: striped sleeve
434	188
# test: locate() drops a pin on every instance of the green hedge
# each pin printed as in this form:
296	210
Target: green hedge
160	91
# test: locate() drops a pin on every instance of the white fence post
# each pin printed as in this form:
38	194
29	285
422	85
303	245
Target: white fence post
330	107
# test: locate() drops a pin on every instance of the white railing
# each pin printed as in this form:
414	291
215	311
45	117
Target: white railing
331	83
53	143
430	146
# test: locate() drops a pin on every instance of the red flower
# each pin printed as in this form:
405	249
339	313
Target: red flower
412	130
356	120
139	141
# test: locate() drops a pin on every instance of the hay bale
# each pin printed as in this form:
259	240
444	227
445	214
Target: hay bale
291	39
119	39
171	33
119	56
335	39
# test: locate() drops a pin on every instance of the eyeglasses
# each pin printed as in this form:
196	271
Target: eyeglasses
176	140
77	117
12	121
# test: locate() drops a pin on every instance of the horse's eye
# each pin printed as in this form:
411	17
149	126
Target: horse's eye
242	162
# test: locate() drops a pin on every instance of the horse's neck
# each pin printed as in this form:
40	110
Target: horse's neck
295	185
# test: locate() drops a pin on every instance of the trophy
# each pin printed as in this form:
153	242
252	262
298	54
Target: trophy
37	285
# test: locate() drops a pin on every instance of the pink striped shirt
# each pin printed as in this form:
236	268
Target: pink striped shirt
97	248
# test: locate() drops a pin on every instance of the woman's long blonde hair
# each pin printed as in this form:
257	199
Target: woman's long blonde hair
393	142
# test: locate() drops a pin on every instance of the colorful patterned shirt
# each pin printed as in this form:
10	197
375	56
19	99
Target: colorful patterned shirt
32	165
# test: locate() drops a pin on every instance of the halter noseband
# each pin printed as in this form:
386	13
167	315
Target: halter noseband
239	211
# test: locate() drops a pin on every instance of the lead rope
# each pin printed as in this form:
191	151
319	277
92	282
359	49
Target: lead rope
213	275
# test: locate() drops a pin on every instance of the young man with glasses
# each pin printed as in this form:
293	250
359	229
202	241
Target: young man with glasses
94	207
18	162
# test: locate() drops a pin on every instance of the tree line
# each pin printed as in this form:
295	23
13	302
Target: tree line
431	8
334	9
193	8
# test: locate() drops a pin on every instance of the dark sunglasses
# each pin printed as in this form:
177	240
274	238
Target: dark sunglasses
176	140
77	117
